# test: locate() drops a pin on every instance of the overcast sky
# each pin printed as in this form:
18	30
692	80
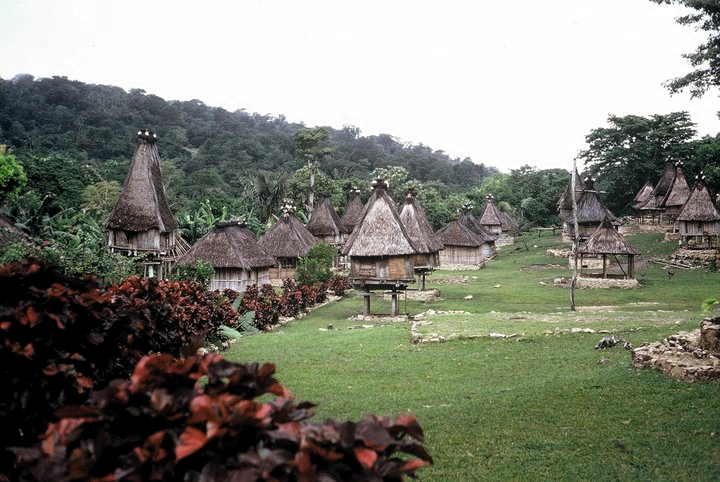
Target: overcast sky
506	83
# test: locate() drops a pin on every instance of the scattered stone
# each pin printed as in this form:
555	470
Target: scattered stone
604	361
469	297
498	335
611	341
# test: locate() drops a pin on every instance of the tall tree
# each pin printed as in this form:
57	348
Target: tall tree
632	150
705	61
311	150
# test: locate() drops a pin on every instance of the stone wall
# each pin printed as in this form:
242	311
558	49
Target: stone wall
606	283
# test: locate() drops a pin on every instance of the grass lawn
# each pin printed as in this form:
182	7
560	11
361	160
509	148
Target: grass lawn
536	406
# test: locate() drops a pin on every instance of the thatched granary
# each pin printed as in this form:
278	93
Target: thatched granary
325	223
643	196
380	250
488	247
677	194
490	218
607	242
426	242
287	241
698	220
591	212
353	212
141	221
653	206
234	253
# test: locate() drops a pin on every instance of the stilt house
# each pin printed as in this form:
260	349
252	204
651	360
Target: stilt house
287	241
426	242
608	244
699	220
380	250
234	253
141	222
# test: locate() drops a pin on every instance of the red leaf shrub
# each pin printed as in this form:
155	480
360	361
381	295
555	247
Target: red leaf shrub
161	425
338	285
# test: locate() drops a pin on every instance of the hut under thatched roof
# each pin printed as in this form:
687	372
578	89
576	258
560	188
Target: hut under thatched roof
380	250
607	241
490	218
287	241
325	223
488	246
591	212
462	245
653	206
141	221
426	242
677	194
643	195
698	220
353	211
565	203
234	253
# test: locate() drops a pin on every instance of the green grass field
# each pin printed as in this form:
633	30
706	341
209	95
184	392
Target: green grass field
536	406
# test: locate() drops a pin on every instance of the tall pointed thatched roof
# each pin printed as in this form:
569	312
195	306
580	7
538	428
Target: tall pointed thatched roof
662	187
607	240
417	225
467	219
508	223
699	206
228	245
324	221
288	238
490	216
380	231
565	202
142	205
679	191
643	195
458	234
590	210
353	212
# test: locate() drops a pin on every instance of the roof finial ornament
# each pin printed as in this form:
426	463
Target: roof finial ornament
147	135
381	183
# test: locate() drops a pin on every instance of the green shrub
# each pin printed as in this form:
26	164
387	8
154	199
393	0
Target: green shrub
316	267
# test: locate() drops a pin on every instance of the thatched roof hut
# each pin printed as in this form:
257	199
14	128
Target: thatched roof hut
462	245
677	194
643	195
141	221
565	203
607	241
353	212
698	218
426	242
287	241
325	223
654	204
489	239
235	254
490	218
591	212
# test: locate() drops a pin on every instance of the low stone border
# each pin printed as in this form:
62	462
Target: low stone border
679	356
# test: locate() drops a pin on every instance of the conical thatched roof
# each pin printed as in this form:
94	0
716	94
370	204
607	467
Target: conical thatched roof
508	223
324	221
662	187
468	220
142	205
457	234
565	202
418	227
699	206
679	191
380	231
607	240
643	195
491	216
590	210
353	212
288	238
228	245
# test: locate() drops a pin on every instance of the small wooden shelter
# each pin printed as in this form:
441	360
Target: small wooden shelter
591	212
677	194
234	253
380	250
653	206
488	240
353	211
490	218
287	241
699	220
604	243
642	197
462	246
325	223
427	243
141	222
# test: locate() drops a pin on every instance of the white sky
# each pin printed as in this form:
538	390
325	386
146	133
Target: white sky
506	83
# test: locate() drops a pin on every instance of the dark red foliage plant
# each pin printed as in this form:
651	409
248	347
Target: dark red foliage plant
162	425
